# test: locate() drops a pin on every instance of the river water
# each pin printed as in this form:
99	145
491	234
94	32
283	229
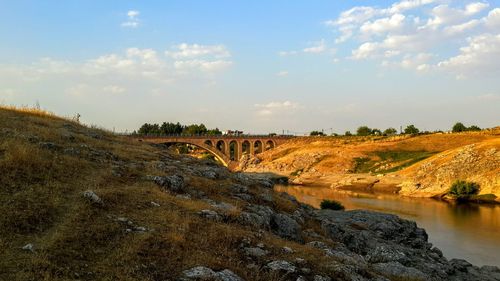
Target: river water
465	231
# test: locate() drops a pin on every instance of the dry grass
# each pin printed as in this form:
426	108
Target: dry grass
41	203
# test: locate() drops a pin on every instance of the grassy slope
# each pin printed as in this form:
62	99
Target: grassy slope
339	154
41	203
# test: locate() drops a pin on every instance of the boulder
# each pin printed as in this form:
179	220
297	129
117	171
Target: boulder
281	266
92	197
173	183
286	227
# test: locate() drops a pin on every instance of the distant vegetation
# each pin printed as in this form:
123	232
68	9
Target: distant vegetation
331	205
461	189
459	127
317	133
411	130
168	128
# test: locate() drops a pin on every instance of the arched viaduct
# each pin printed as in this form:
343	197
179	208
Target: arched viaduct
226	148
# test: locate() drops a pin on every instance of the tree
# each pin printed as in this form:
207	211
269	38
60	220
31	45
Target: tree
411	130
317	133
474	128
195	130
376	132
364	131
458	127
348	133
214	132
390	132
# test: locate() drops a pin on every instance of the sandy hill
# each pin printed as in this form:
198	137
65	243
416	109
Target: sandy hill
339	161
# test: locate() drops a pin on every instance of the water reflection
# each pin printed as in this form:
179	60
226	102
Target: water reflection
467	231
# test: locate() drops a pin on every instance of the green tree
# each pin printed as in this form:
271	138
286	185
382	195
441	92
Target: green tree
317	133
348	133
458	127
364	131
390	132
214	132
474	128
376	132
411	130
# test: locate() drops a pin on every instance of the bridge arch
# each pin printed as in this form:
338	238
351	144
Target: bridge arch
209	143
211	149
257	146
221	146
245	148
234	151
269	145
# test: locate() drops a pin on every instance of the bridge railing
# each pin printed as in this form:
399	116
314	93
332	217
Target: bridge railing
204	136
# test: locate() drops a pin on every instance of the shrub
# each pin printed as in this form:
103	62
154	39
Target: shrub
317	133
332	205
463	189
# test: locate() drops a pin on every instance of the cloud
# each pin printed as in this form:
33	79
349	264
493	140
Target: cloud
132	19
275	107
282	73
480	57
184	51
400	33
318	47
113	89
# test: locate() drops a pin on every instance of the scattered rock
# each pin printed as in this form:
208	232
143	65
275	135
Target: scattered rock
173	183
321	278
286	227
255	252
287	250
397	270
154	204
227	275
281	266
92	197
209	214
49	145
28	247
199	273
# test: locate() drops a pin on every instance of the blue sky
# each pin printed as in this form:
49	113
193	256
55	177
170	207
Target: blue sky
259	66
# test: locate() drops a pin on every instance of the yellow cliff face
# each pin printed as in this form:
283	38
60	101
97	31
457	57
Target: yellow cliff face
479	162
423	166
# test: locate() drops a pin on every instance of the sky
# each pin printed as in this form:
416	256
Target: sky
257	66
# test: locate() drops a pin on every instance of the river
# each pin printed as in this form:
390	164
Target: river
464	231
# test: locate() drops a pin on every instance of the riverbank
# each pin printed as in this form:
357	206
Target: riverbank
465	230
420	166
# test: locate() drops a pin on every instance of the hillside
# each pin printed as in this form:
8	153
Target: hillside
82	204
478	162
382	162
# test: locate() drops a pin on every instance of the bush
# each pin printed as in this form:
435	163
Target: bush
463	189
317	133
332	205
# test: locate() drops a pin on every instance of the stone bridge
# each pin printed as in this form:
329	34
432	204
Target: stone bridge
227	149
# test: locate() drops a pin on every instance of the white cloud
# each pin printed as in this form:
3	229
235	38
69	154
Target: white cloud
132	19
282	73
202	65
493	19
318	47
275	107
480	57
383	25
184	50
400	33
287	53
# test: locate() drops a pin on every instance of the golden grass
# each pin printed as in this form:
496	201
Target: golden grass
41	203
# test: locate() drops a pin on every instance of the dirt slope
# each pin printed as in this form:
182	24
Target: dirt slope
479	162
376	161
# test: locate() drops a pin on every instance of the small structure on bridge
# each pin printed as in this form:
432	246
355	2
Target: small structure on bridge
228	149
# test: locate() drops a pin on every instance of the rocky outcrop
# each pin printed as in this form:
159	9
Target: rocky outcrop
478	163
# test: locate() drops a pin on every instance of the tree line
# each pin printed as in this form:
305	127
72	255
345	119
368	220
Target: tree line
409	130
167	128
